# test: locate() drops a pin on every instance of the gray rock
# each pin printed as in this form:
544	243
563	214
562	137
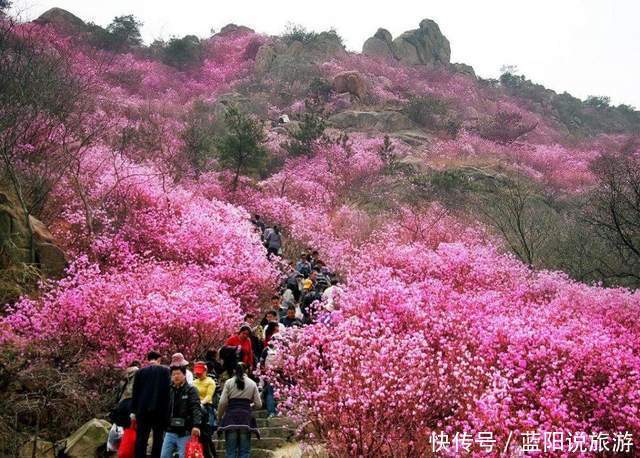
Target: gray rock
425	45
386	121
233	28
380	45
352	82
87	439
43	449
464	69
62	20
52	259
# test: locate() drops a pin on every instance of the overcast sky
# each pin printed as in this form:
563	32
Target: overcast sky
584	47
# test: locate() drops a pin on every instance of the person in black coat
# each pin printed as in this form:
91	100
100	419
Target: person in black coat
185	414
150	404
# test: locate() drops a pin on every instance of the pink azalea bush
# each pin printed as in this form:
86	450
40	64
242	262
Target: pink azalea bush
109	318
435	331
459	339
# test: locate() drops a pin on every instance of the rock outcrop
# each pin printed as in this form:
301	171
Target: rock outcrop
423	46
233	28
352	82
383	121
62	20
463	69
87	439
14	238
380	45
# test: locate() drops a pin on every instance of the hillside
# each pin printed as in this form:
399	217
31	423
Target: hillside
485	232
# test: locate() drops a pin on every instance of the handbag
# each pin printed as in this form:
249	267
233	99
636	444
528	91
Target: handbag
127	447
114	438
194	448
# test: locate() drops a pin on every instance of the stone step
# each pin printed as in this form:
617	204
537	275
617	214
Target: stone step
260	413
275	421
284	432
268	443
255	453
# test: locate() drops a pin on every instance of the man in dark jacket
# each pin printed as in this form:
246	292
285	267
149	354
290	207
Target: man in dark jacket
150	404
290	320
184	414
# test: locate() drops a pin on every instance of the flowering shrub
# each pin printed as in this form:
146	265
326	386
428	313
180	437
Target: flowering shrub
108	318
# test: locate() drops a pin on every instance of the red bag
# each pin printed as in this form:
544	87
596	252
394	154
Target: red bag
194	448
127	447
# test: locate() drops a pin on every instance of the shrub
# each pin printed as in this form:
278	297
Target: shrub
303	140
504	127
121	35
241	149
183	53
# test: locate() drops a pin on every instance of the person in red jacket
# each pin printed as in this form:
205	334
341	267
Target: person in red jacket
243	341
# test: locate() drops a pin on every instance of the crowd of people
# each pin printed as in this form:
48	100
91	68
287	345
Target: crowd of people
173	404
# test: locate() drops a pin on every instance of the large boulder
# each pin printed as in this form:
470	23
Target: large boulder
464	69
352	82
62	20
43	449
379	45
422	46
14	231
87	439
384	121
233	28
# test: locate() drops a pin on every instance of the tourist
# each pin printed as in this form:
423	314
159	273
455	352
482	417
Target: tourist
242	343
206	387
177	359
274	241
184	414
234	413
291	320
121	413
150	404
266	361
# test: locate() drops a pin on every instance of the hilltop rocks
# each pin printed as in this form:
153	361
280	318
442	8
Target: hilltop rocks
233	28
62	20
423	46
426	45
463	69
351	82
379	45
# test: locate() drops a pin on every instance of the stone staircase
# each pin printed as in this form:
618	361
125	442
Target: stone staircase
275	433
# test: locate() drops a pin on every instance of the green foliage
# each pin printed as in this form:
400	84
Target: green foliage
182	53
600	102
433	113
303	140
241	148
320	89
504	127
424	110
297	32
198	136
121	35
392	165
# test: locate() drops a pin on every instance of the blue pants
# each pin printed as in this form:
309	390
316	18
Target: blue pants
172	442
269	399
237	444
212	416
